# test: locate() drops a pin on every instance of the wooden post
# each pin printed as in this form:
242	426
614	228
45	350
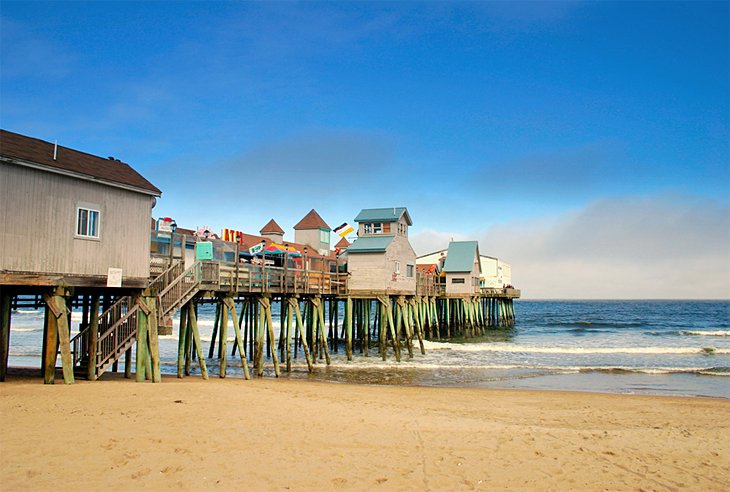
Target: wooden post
348	324
193	327
142	350
153	338
128	363
214	334
366	333
94	338
182	335
270	328
5	320
419	325
239	340
389	313
287	307
300	328
260	340
224	338
57	304
322	333
50	346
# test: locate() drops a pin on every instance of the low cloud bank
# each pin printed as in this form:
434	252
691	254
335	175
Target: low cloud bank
667	246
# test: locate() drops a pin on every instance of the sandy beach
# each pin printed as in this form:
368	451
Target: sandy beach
297	435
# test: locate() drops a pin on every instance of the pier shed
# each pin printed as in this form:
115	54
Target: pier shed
75	233
382	259
462	268
68	216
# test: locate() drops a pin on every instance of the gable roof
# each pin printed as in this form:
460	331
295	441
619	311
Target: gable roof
312	221
272	226
370	244
461	256
37	153
392	214
343	243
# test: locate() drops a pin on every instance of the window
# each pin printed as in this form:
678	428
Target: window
402	228
457	280
87	222
396	267
324	236
409	270
373	228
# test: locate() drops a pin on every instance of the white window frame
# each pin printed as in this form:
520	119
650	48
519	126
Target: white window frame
324	236
396	266
89	209
377	227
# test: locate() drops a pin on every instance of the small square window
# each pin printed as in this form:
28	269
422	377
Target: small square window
87	222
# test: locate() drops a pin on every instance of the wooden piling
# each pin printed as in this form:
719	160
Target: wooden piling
193	322
5	321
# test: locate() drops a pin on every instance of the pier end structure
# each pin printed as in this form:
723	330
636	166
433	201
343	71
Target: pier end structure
381	260
75	235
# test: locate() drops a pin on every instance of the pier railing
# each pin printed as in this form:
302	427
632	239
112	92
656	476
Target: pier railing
248	278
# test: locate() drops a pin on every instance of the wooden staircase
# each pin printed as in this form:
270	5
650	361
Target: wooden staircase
117	326
117	333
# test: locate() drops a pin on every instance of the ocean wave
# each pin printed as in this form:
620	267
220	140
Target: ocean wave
484	347
708	333
595	324
24	330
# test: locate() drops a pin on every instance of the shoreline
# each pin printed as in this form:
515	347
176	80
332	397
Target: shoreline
305	435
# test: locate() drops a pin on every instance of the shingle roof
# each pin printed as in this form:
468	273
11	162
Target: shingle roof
272	226
312	221
391	214
370	244
36	151
342	243
461	256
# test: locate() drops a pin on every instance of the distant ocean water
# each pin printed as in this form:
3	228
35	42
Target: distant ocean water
649	347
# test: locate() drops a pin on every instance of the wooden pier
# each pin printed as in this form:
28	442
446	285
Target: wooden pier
310	302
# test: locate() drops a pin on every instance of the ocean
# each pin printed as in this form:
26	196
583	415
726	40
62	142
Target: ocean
679	348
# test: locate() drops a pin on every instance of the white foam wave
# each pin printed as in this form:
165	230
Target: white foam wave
495	347
26	329
708	333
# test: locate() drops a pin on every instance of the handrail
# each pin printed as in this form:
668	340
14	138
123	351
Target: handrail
163	280
178	289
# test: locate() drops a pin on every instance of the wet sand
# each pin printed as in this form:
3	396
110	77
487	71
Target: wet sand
298	435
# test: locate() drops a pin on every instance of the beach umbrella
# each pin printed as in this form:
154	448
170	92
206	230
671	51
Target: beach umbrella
280	249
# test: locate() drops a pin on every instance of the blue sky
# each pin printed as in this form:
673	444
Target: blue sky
585	143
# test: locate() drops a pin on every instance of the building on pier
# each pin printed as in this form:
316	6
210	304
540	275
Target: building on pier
75	233
495	273
313	231
68	216
462	268
381	259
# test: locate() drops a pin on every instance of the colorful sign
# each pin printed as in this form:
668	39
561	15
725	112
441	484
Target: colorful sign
166	224
232	236
256	248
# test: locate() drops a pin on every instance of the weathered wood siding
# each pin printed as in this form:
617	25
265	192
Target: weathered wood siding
368	272
400	250
38	225
375	272
471	280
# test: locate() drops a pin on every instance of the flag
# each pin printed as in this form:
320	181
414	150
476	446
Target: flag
256	248
344	230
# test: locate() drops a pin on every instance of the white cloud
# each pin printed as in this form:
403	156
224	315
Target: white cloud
663	246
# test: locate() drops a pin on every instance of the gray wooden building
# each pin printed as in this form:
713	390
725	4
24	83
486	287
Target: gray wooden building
381	259
67	217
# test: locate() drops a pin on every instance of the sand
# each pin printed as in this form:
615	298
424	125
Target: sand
269	434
